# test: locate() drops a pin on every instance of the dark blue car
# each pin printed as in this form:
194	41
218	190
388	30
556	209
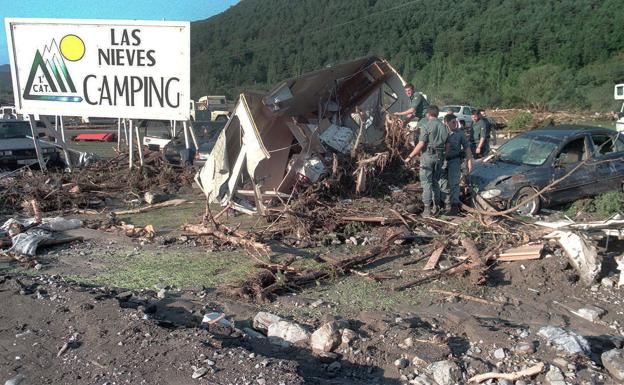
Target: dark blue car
533	160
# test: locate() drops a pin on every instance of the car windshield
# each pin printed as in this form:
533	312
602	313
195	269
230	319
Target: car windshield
14	130
453	109
527	150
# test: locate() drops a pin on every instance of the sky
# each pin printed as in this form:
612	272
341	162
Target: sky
173	10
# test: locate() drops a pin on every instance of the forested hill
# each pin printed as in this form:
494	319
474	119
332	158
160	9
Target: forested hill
558	54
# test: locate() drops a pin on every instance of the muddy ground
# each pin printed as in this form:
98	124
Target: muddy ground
130	312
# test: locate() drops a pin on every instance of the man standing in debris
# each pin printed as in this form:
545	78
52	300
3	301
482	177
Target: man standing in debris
457	146
415	110
432	143
417	104
480	135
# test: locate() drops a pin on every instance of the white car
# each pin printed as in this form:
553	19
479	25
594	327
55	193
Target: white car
463	114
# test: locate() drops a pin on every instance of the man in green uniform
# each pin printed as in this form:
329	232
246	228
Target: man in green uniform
480	138
417	104
451	174
414	113
432	144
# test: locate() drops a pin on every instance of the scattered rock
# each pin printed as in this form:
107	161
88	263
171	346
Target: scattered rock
421	380
162	293
348	336
125	296
608	282
524	348
317	303
565	340
263	320
326	338
445	372
613	361
591	313
285	333
261	381
401	363
499	354
199	372
327	357
152	197
15	380
554	376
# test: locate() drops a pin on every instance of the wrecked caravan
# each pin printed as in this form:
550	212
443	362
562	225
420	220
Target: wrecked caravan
288	134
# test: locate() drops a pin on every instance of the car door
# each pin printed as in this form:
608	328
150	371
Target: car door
608	153
574	154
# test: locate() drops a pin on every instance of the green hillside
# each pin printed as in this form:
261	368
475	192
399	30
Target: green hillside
561	54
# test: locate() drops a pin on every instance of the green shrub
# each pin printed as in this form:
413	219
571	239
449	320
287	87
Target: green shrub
602	206
520	120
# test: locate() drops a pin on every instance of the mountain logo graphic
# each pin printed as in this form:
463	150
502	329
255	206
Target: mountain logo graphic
49	78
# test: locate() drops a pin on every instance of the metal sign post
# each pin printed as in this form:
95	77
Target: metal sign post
33	130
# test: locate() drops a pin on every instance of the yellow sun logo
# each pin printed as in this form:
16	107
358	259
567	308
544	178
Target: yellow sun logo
72	47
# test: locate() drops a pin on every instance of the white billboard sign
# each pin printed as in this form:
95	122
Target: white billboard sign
100	68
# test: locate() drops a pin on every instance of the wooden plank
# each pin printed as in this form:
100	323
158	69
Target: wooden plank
435	257
512	258
522	253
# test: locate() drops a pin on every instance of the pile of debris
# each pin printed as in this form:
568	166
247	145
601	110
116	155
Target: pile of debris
20	238
104	183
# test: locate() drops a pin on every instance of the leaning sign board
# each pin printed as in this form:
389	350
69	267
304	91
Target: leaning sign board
100	68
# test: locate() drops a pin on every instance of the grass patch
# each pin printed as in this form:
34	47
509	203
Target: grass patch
174	268
168	217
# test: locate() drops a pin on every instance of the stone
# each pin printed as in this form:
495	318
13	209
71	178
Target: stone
521	382
326	338
524	348
408	342
554	376
263	320
613	361
564	340
591	313
261	381
504	382
445	372
334	367
421	380
199	372
327	357
125	296
162	293
15	380
607	282
401	363
317	303
285	333
348	336
499	354
152	197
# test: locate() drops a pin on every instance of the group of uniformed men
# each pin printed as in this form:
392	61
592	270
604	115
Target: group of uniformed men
443	146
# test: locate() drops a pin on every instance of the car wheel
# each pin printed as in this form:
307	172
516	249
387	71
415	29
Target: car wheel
531	207
221	118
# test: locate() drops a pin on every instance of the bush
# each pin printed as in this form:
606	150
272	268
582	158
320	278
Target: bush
520	120
602	206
